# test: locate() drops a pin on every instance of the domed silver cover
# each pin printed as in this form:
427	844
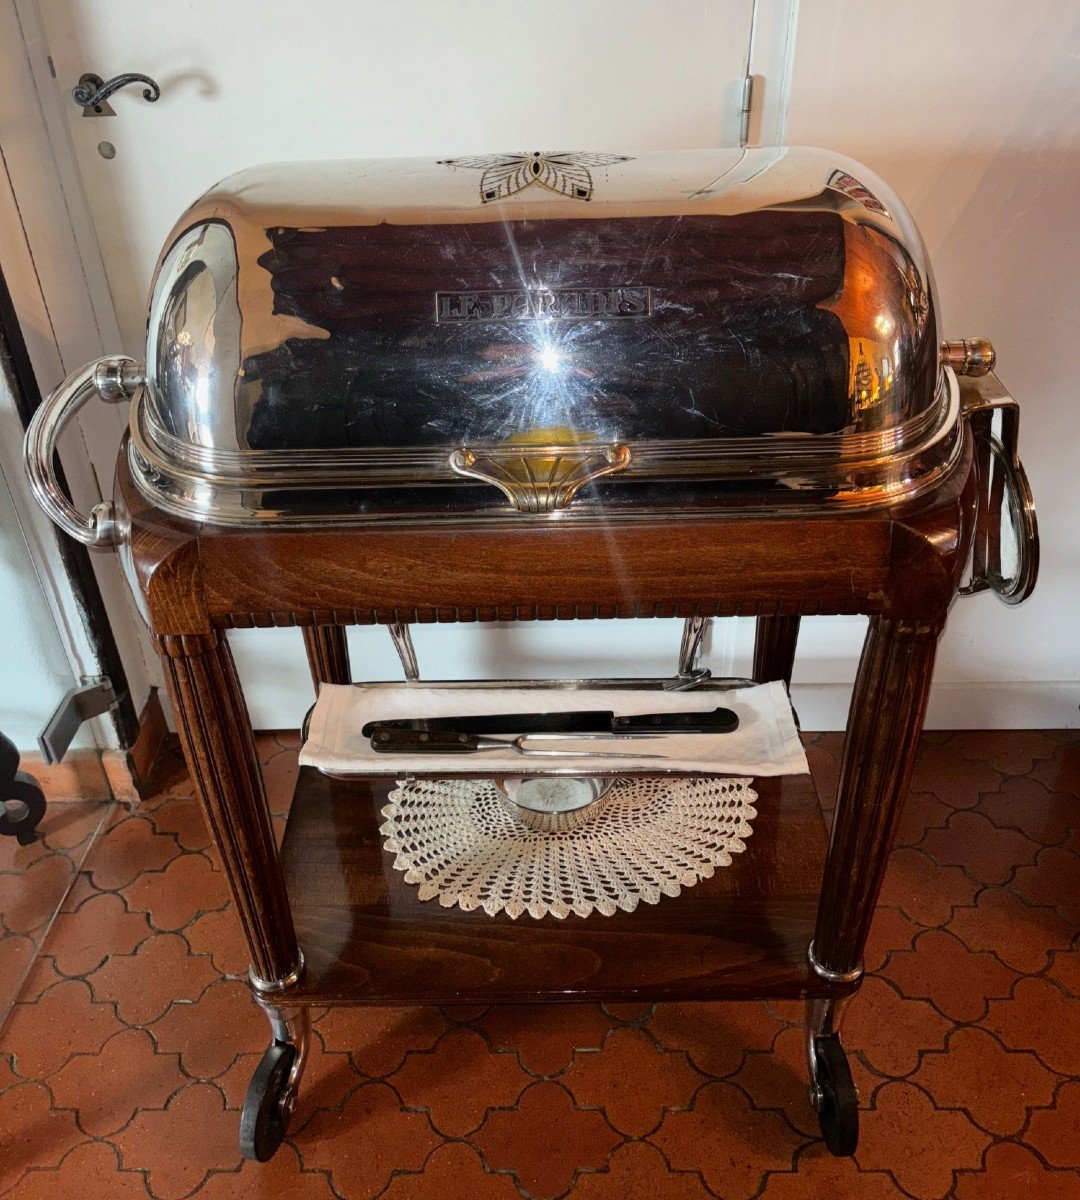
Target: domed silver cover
661	332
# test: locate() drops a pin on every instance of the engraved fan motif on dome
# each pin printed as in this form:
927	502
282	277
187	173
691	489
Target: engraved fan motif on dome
565	172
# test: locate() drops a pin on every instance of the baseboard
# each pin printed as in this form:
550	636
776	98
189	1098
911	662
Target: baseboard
81	776
967	705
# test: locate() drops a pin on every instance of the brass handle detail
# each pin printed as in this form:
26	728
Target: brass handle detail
540	479
969	356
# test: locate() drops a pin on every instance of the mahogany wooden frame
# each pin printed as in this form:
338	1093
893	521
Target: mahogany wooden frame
900	566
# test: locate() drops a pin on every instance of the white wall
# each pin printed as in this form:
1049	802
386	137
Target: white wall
971	110
34	672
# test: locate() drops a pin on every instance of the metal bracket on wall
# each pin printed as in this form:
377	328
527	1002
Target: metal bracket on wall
93	696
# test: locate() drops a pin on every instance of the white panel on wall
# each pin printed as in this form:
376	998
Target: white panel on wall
971	111
35	669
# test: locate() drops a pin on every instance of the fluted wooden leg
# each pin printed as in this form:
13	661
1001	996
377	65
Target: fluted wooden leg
775	639
215	732
887	710
327	654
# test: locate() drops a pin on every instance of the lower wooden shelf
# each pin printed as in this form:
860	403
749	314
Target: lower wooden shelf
367	939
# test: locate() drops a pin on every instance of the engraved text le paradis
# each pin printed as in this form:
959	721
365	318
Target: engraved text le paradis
522	304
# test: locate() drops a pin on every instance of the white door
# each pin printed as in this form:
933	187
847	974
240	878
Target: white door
249	82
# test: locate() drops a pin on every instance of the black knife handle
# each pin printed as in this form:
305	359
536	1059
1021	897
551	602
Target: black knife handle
496	723
422	741
720	720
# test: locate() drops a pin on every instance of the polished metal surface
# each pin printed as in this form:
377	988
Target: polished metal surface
553	805
268	987
321	333
111	379
401	636
690	673
969	356
833	976
1006	512
822	1020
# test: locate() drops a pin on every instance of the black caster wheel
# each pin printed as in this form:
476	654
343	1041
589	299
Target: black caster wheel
268	1104
838	1101
21	808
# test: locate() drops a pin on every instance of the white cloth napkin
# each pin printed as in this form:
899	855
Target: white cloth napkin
766	742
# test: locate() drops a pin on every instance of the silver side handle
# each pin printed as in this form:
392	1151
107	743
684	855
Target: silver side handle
113	379
1004	494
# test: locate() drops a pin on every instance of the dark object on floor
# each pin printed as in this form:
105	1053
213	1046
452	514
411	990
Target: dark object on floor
22	802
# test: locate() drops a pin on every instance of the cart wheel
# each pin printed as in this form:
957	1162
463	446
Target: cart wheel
838	1101
268	1105
22	808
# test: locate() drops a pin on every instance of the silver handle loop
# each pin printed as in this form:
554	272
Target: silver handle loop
1000	474
113	379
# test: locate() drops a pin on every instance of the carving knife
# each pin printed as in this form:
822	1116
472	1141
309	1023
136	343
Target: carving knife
719	720
446	741
465	735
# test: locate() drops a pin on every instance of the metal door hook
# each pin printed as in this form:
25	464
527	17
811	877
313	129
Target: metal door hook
92	92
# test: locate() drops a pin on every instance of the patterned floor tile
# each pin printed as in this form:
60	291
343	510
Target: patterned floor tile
188	886
997	1087
176	1166
143	985
458	1080
728	1141
1031	808
1055	1132
715	1036
546	1140
972	841
923	890
1053	879
80	941
632	1080
29	899
131	847
379	1038
821	1176
964	1039
89	1170
1039	1017
106	1089
1010	1171
1021	935
1010	751
545	1036
638	1171
360	1167
919	1145
283	1177
33	1133
941	969
194	1030
453	1172
891	1030
43	1035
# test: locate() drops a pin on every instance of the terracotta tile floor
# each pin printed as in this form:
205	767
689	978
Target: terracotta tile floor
124	1063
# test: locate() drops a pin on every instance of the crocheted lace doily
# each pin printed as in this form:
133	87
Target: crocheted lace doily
649	837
